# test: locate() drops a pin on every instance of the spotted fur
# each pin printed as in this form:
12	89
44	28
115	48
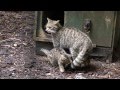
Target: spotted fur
58	57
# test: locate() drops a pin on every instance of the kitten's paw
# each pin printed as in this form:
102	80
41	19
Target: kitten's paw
62	70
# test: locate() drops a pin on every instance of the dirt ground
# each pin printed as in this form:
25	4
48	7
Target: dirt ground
19	61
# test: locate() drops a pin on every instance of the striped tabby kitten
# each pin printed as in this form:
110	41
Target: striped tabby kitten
75	40
58	57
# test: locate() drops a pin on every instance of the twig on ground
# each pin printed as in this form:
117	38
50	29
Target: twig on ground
10	39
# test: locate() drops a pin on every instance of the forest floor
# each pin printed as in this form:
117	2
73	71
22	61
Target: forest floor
18	59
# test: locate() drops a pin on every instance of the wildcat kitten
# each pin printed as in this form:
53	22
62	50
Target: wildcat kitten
58	57
75	40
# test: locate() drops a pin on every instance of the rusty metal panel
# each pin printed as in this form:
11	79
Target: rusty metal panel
102	24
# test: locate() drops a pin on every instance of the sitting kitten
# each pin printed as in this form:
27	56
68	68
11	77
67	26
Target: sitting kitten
58	57
75	40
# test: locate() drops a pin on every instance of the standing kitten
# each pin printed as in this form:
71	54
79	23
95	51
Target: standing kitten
75	40
58	57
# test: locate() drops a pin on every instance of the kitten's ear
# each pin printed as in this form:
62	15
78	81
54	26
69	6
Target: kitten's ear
49	55
56	22
48	19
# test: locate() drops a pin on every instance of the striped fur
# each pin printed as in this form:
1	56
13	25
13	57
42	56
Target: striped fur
75	40
58	57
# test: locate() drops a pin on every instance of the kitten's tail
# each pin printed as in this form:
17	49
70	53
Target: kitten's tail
45	51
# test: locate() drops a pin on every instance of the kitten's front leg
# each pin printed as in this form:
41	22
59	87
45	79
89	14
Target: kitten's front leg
61	67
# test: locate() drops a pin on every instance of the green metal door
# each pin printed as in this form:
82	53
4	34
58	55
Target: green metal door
102	24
